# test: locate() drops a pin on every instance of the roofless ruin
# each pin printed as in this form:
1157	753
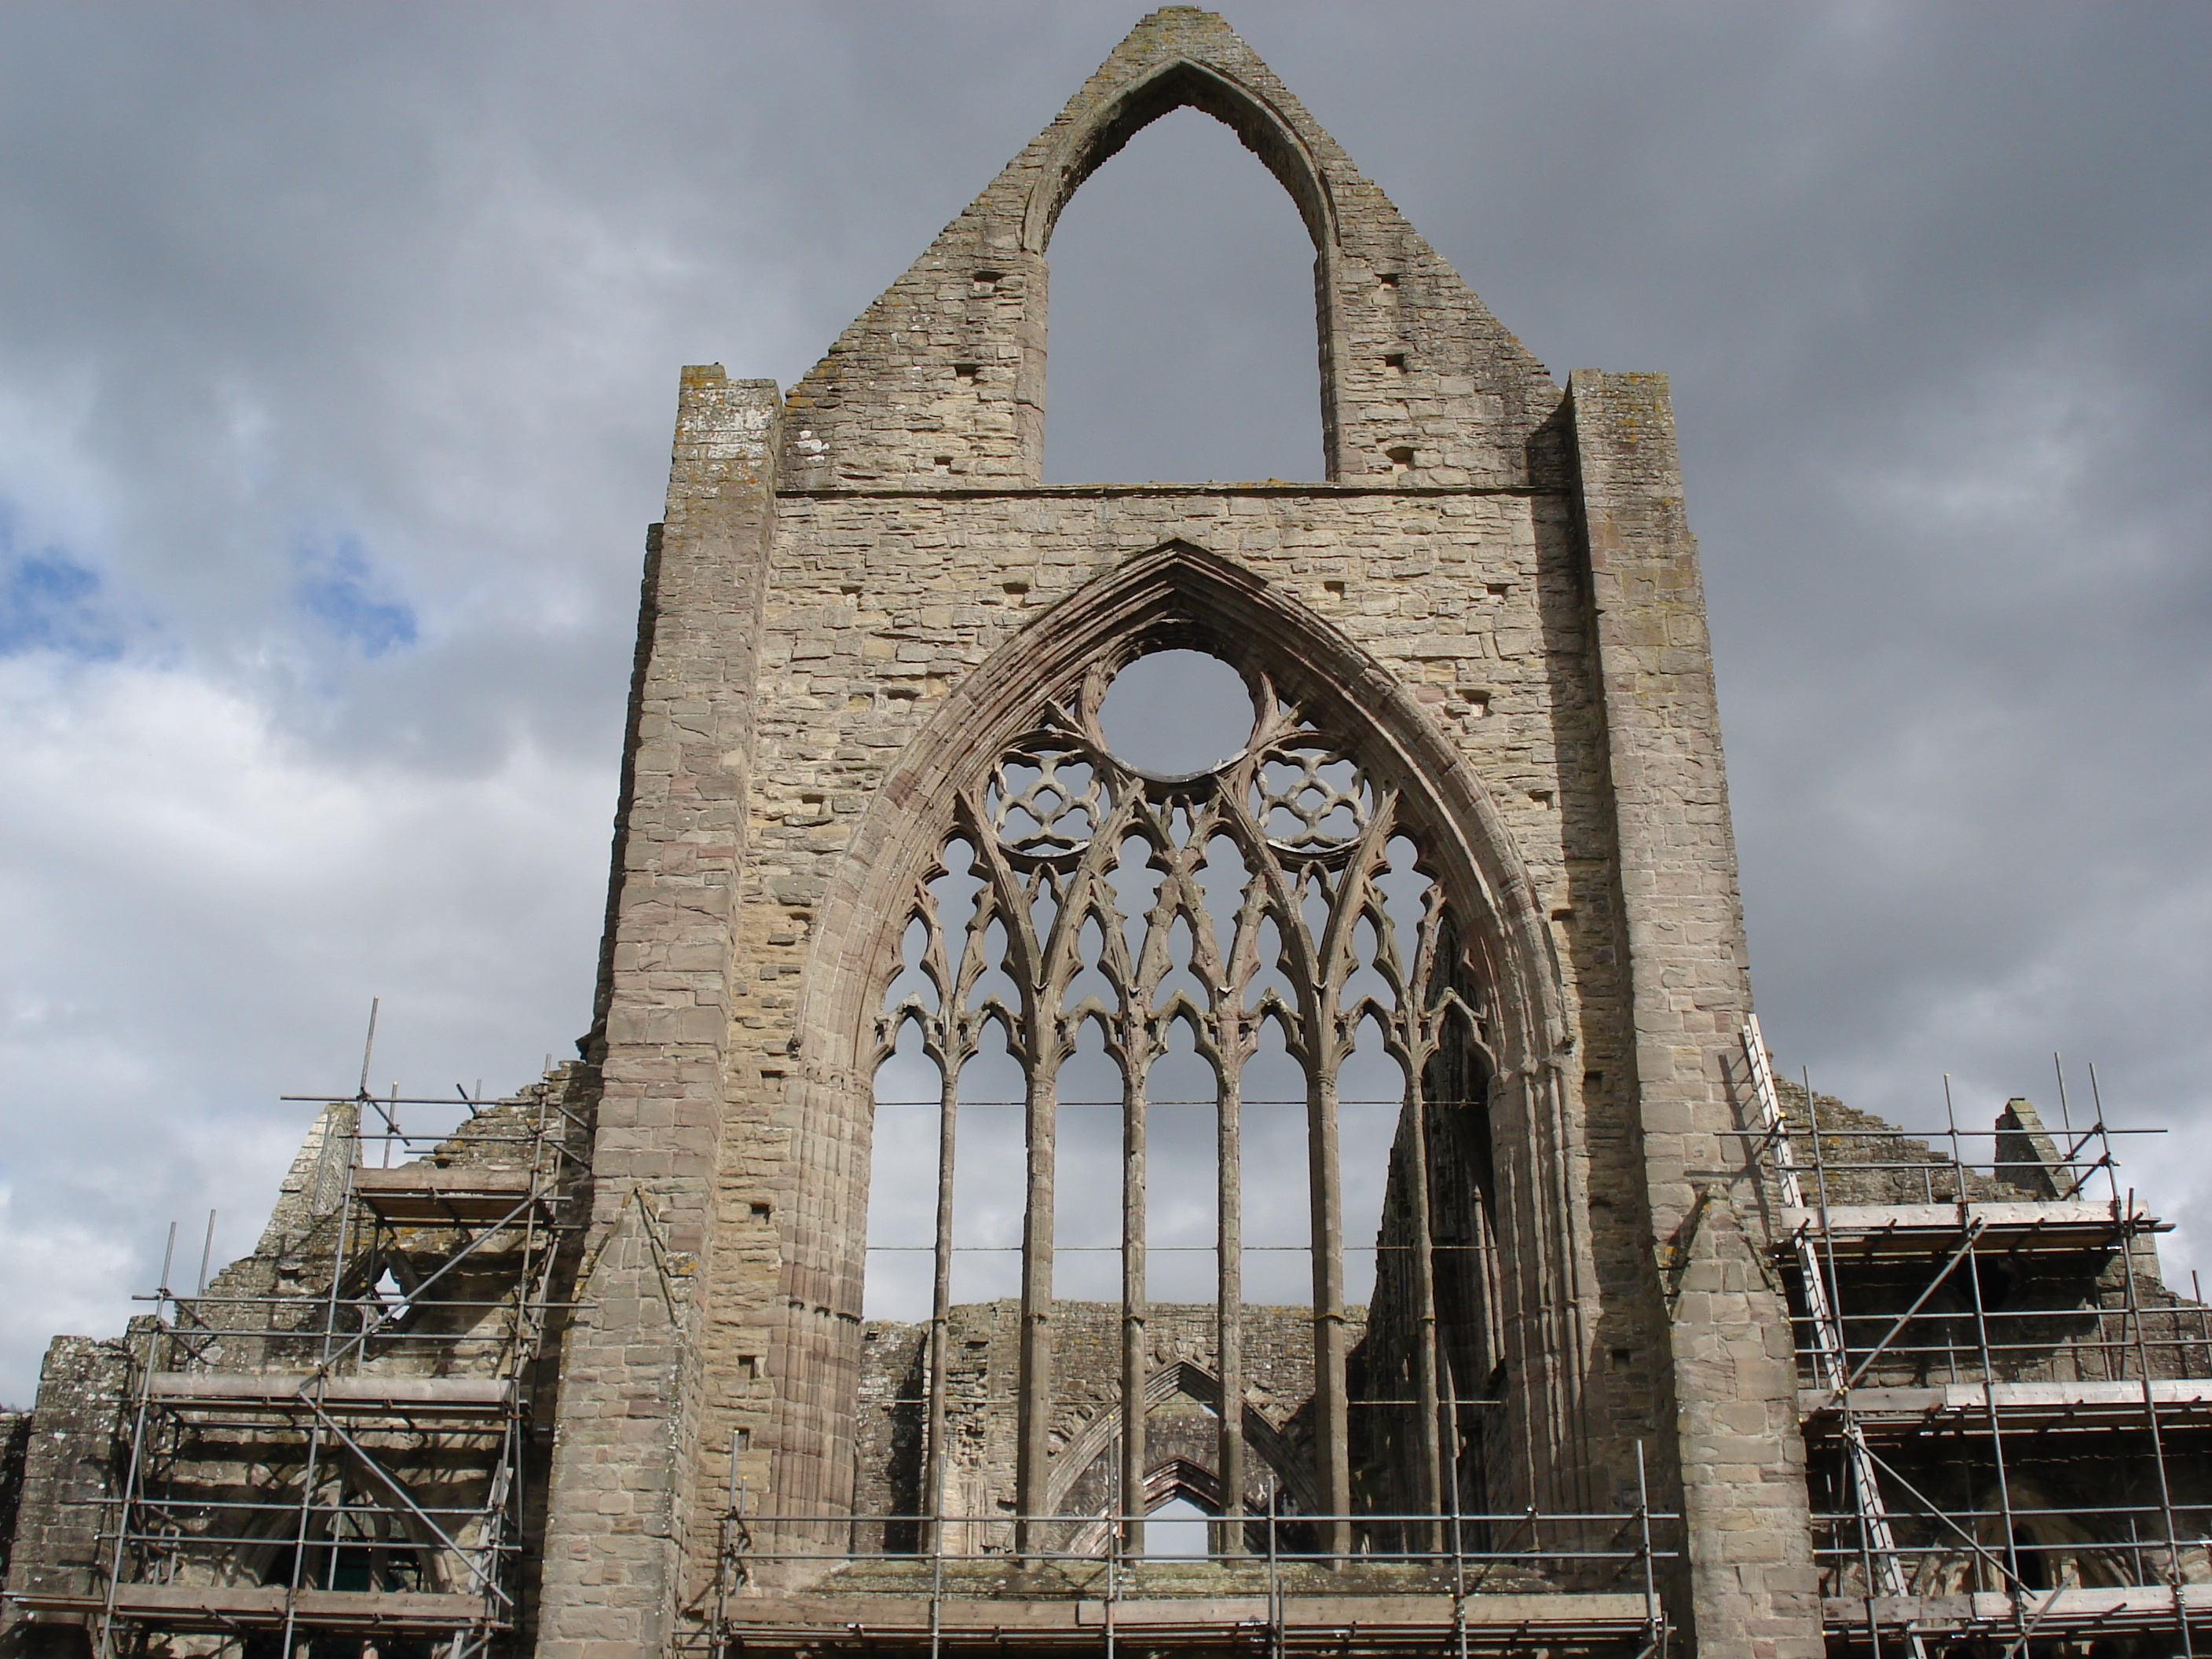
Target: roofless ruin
1023	1191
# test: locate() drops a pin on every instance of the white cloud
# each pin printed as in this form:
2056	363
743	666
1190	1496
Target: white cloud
202	906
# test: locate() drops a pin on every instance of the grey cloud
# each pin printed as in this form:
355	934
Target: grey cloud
1930	283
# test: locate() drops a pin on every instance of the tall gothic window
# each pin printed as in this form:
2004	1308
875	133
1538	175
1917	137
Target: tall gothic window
1182	1111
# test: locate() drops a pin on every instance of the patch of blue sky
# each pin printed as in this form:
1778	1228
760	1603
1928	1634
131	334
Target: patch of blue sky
335	583
49	602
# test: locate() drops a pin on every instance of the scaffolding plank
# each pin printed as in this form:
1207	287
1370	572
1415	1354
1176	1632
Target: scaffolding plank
2050	1613
265	1390
1859	1230
426	1195
1493	1621
222	1606
2025	1406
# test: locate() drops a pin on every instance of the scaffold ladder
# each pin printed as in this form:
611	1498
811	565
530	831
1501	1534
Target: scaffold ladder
1828	1353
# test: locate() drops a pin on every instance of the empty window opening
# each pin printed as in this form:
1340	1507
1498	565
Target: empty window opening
902	1210
1087	1214
987	1182
1218	1117
1276	1178
1173	713
1181	343
1181	1186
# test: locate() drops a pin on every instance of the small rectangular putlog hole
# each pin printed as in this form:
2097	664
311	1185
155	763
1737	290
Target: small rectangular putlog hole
1543	797
967	371
1394	360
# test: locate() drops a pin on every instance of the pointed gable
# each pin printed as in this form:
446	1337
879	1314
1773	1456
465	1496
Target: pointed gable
940	382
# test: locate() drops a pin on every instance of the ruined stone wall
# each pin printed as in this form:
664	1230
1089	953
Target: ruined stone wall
857	582
888	1440
878	606
14	1447
70	1466
230	1482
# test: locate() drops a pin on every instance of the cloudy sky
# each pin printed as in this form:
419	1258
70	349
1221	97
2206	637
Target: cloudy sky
337	357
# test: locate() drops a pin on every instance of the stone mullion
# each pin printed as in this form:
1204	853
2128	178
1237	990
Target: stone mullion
1232	1046
950	1059
1229	1280
1034	1407
1332	1441
1425	1305
1419	1036
1316	1050
1332	1402
1040	1055
1134	1081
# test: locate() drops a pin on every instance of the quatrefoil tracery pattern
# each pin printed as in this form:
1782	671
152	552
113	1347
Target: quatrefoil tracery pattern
1281	887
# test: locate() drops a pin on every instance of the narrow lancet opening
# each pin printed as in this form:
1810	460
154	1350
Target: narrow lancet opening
1183	341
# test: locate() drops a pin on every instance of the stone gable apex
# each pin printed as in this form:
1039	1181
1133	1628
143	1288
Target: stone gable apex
942	379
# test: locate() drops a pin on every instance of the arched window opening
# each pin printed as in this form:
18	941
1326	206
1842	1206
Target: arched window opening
1219	1130
1182	343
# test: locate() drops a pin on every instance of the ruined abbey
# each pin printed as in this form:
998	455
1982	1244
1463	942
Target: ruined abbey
1023	1190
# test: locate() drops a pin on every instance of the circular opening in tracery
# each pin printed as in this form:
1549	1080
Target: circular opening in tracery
1173	713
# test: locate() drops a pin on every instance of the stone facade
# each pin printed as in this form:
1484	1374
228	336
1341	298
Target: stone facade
861	610
858	591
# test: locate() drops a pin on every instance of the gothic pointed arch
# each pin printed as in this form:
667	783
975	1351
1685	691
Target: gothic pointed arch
1266	129
940	383
1342	771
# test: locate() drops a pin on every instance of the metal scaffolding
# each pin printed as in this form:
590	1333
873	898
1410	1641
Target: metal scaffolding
1579	1586
327	1452
2007	1417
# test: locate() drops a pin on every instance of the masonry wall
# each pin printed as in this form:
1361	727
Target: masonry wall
70	1467
877	604
842	578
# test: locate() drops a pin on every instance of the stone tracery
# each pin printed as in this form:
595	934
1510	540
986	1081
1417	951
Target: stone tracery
1282	888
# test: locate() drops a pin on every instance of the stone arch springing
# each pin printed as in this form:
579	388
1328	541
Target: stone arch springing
1024	716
